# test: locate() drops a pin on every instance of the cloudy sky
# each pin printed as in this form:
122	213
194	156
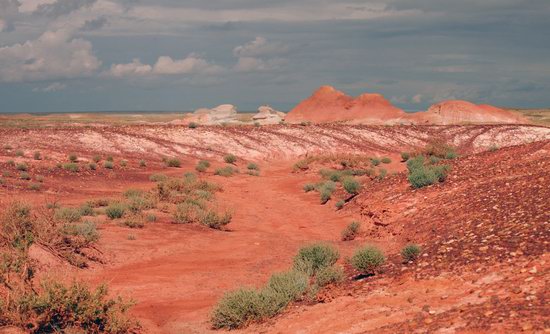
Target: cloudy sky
91	55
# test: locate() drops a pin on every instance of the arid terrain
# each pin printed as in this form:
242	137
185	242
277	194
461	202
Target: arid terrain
483	230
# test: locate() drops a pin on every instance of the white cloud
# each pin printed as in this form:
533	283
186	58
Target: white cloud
251	64
29	6
55	54
54	87
165	65
260	47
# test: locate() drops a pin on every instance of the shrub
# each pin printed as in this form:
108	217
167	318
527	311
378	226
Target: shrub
86	210
230	158
410	252
92	166
451	155
10	163
86	230
367	259
214	219
173	162
434	159
289	285
340	204
493	148
301	165
375	161
202	166
382	174
24	176
253	166
19	153
139	203
385	160
123	163
39	178
422	177
158	177
142	163
108	164
6	173
225	171
8	147
326	190
64	308
67	215
96	158
253	173
71	167
151	217
309	187
350	232
22	166
415	163
37	156
329	275
314	257
35	186
405	156
237	308
134	221
187	213
193	125
110	158
73	157
351	185
115	210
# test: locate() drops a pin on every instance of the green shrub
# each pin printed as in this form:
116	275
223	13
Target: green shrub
253	166
451	155
139	203
96	158
8	147
314	257
351	185
193	125
326	190
415	163
108	164
134	221
86	230
202	166
142	163
253	173
115	210
67	215
422	177
37	156
6	173
19	153
173	162
71	167
22	166
39	178
158	177
230	158
290	285
237	308
493	148
410	252
214	219
367	259
187	213
329	275
350	232
385	160
301	165
405	156
86	210
24	176
375	161
151	217
309	187
110	158
92	166
68	308
225	171
73	157
10	163
35	186
123	163
382	174
340	204
434	159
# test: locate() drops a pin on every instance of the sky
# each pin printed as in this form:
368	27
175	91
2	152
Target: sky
170	55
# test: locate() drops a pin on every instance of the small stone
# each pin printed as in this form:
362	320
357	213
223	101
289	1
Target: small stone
533	271
526	327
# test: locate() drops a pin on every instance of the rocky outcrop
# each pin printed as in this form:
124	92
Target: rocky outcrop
330	105
268	115
464	112
225	113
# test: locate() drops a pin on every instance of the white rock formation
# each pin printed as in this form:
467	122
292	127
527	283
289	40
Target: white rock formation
225	113
268	115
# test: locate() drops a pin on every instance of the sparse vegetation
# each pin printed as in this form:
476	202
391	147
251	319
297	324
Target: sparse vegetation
24	176
19	153
67	215
421	175
193	125
325	190
214	219
92	166
340	204
35	186
312	258
22	166
37	156
410	252
151	217
253	166
158	177
173	162
375	161
230	158
202	166
493	148
142	163
405	156
350	232
367	259
309	187
382	172
110	158
226	171
123	163
73	157
134	221
96	158
115	210
108	165
71	167
329	275
351	185
385	160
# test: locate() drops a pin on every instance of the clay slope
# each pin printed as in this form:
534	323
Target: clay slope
463	112
485	259
330	105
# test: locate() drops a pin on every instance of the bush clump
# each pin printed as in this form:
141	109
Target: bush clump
350	232
22	167
340	204
238	308
173	162
410	252
92	166
24	176
96	158
351	185
230	158
67	215
329	275
71	167
253	166
214	219
385	160
312	258
134	221
142	163
405	156
367	259
37	156
158	177
326	190
202	166
73	157
108	164
226	171
309	187
115	210
375	161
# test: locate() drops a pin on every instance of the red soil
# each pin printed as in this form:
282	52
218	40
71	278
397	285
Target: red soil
330	105
176	273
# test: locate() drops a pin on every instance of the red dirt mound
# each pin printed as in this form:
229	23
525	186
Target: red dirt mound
459	112
330	105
